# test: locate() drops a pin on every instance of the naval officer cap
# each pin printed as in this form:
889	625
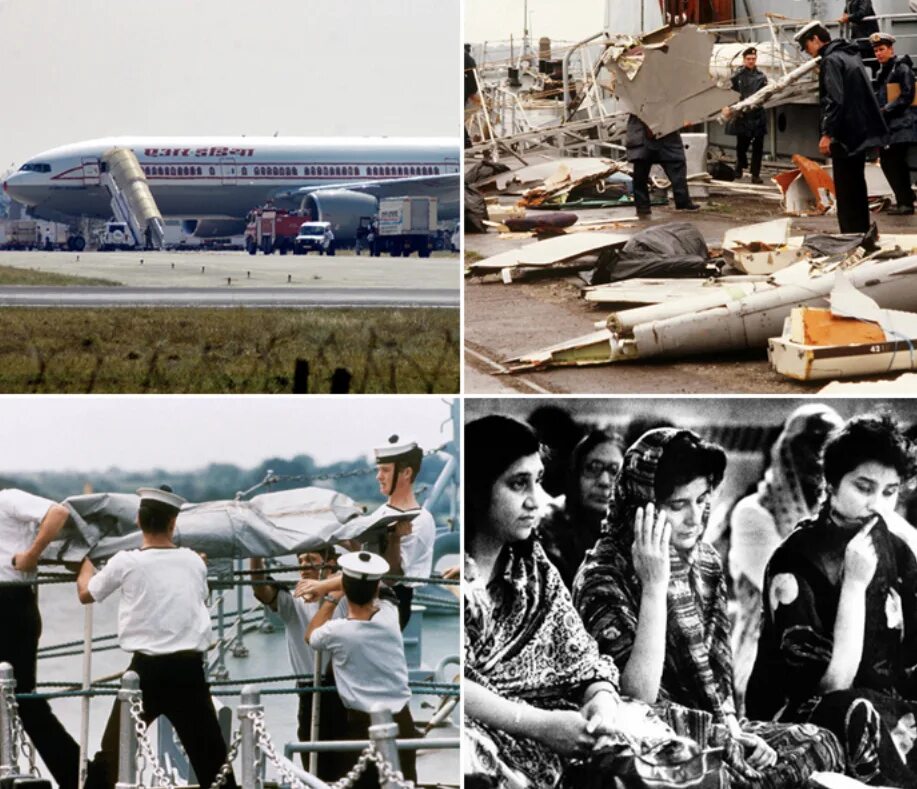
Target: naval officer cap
363	565
161	497
882	39
395	450
806	32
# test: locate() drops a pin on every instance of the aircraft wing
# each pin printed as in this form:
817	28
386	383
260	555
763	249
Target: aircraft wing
445	188
272	524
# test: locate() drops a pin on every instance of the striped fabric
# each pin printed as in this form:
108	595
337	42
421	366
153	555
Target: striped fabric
696	692
524	641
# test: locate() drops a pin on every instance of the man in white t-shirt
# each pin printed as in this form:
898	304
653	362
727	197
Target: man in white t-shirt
367	652
164	621
296	614
28	524
397	467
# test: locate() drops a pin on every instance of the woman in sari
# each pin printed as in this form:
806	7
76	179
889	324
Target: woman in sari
790	492
537	692
839	641
568	531
654	598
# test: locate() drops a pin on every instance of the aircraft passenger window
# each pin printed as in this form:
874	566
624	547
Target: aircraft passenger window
172	171
200	171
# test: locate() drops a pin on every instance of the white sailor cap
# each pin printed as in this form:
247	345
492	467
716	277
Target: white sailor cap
803	33
879	39
395	450
363	565
161	495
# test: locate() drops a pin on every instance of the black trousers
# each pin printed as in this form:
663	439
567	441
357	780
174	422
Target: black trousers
850	190
676	172
20	624
332	717
894	164
405	595
358	724
175	686
757	153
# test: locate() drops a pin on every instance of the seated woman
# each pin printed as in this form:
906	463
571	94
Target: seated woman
567	532
654	598
839	641
791	491
537	692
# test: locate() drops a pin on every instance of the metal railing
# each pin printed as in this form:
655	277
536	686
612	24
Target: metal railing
251	742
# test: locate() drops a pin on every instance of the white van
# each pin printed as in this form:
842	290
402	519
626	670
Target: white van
316	236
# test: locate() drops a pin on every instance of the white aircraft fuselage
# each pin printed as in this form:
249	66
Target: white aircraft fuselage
222	177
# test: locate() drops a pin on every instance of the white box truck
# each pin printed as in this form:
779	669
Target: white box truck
405	225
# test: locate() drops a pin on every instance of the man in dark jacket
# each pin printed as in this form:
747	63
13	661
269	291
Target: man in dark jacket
644	149
900	115
851	122
471	84
861	28
751	126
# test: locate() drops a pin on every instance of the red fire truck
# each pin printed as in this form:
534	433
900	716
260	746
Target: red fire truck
271	229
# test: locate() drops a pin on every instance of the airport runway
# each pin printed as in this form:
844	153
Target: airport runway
227	296
225	270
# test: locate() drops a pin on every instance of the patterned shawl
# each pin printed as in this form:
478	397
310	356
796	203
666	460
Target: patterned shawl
697	671
523	638
792	487
524	641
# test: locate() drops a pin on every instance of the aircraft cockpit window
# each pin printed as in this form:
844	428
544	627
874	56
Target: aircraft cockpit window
35	167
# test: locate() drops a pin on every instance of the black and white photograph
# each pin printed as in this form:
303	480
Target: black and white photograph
690	592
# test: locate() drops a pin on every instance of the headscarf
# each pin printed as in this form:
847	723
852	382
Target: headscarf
697	671
793	486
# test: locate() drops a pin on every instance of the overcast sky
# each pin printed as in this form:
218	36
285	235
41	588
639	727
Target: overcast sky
78	70
94	433
496	20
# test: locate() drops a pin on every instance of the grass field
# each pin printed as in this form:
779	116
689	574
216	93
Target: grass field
11	275
198	350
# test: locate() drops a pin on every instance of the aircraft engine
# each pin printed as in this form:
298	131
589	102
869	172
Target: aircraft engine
343	208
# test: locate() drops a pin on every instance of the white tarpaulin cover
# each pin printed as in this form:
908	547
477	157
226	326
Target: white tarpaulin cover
272	524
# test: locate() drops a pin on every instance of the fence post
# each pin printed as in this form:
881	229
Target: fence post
340	381
250	702
127	733
301	377
382	733
7	686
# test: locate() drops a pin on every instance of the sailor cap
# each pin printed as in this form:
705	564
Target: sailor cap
803	33
162	495
363	565
395	450
877	39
